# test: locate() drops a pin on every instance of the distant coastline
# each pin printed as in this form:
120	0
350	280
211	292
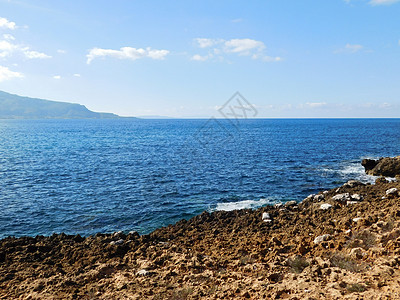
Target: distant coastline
18	107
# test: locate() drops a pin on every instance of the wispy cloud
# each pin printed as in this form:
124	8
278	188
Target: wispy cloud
8	48
127	53
316	104
243	47
77	75
4	23
6	74
376	2
57	77
350	48
383	2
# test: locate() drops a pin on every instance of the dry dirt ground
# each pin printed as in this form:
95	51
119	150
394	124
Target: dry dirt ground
341	244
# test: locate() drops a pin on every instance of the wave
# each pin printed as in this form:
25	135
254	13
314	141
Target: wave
352	170
243	204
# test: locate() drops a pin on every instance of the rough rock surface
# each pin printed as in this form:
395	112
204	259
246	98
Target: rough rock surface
223	255
386	166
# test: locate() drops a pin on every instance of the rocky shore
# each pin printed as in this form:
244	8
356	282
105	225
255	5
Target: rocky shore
340	244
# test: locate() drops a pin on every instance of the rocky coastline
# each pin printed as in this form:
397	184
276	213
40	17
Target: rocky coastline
342	243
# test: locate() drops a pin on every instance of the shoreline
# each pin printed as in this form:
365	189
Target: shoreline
341	243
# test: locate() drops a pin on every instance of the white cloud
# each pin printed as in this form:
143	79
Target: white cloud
4	23
383	2
127	53
350	48
315	104
6	74
77	75
34	54
205	43
8	48
198	57
57	77
60	51
236	20
8	37
243	47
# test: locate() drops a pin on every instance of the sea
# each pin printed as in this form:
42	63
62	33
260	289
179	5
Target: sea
89	176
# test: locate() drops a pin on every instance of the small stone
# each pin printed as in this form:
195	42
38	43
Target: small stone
319	197
392	191
291	203
278	205
119	242
356	197
356	253
355	220
142	273
352	202
325	206
266	217
322	238
342	197
353	183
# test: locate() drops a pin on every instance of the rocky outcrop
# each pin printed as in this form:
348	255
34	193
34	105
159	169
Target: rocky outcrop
386	166
291	251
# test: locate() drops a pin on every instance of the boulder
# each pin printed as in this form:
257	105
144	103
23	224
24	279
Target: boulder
386	166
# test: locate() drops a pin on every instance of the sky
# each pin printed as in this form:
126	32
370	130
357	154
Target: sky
288	58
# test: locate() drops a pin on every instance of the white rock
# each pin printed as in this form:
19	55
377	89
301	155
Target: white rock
142	273
325	192
353	183
342	197
355	220
266	217
325	206
392	191
117	233
319	197
290	203
322	238
119	242
356	197
352	202
278	205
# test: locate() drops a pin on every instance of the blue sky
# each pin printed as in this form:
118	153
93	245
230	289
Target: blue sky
295	58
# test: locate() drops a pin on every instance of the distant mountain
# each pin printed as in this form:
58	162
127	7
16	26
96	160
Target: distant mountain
17	107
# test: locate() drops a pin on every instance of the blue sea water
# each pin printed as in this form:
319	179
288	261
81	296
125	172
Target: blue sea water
89	176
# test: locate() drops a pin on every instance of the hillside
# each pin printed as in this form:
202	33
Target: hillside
17	107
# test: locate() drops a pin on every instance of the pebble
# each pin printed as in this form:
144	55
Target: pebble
355	220
319	197
352	202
